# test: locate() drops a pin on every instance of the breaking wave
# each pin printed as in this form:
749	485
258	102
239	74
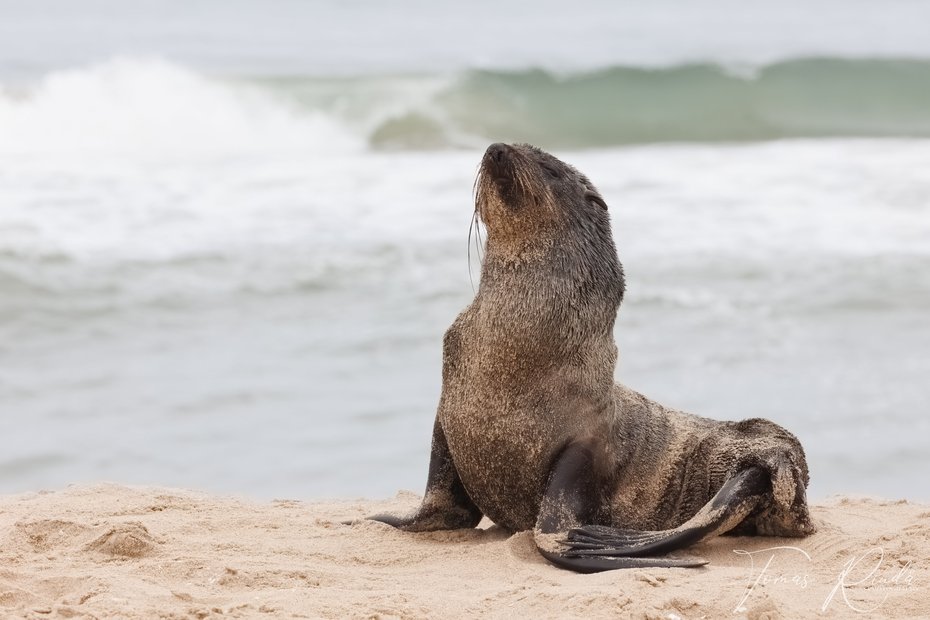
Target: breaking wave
151	105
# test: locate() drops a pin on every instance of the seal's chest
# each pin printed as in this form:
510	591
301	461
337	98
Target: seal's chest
501	463
496	440
489	427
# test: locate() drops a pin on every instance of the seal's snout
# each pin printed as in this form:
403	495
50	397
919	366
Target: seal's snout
500	164
496	152
498	160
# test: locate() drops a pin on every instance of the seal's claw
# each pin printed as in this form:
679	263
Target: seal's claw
393	520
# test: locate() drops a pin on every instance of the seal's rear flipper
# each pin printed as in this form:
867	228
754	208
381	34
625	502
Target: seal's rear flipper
735	500
593	548
600	564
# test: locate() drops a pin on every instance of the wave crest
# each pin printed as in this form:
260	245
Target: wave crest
807	98
153	106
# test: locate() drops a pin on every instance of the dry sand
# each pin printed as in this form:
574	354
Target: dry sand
113	551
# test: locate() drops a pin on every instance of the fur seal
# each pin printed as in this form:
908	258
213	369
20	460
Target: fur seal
531	430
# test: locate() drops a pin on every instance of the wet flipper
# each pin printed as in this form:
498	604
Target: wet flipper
601	564
446	504
735	501
570	499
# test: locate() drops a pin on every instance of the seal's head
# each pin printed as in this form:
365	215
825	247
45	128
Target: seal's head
546	217
529	199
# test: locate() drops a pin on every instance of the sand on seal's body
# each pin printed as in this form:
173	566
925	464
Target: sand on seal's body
112	551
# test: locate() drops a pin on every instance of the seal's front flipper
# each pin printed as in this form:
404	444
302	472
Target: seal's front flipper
570	501
445	505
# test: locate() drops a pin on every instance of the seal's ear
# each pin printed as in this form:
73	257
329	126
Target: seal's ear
592	196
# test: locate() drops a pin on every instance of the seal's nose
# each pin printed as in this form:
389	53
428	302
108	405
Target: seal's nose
496	152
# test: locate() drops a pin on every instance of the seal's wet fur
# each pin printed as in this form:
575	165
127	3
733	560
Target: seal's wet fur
531	429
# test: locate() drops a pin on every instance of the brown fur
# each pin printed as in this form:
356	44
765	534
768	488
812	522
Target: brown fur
531	429
529	367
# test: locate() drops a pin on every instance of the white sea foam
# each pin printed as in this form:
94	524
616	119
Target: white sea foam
153	108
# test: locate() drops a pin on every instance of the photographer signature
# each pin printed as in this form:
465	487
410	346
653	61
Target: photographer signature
866	572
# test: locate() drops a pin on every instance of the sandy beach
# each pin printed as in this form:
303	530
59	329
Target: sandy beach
109	551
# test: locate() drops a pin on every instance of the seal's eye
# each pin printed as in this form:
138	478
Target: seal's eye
592	196
552	172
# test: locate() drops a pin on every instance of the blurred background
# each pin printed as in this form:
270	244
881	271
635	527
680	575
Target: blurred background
232	232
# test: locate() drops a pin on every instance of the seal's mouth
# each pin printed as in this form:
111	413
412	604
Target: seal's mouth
498	162
499	166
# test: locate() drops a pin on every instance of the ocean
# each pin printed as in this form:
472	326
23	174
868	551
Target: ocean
232	233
